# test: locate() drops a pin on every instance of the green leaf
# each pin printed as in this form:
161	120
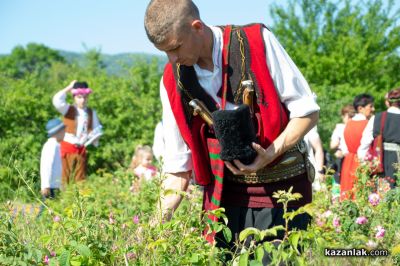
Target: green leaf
248	232
297	196
225	219
227	234
271	231
320	241
73	243
84	250
194	258
218	227
268	246
37	255
244	259
76	263
255	263
64	258
45	239
301	261
284	255
259	253
294	238
156	243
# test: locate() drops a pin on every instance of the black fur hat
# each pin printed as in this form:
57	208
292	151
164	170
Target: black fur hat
235	132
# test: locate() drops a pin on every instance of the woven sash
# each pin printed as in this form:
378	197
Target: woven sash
213	192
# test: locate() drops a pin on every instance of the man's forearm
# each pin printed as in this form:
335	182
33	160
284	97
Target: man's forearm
293	133
176	182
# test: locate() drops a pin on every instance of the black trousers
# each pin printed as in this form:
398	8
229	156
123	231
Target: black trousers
240	218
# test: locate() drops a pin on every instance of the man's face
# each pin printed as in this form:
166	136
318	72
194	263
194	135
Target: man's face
182	48
81	100
368	110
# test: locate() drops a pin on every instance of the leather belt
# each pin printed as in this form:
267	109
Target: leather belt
292	163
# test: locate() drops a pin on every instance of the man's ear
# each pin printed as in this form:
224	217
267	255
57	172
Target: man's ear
197	25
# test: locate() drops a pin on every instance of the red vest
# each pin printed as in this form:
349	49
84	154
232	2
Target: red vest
274	116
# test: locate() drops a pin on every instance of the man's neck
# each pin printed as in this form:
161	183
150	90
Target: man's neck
206	57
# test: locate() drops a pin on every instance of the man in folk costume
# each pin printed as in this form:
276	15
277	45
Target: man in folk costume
82	127
208	63
385	123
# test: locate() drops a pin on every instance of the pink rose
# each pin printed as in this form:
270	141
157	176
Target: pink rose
336	222
46	260
327	214
368	157
135	219
374	199
319	222
361	220
380	232
130	255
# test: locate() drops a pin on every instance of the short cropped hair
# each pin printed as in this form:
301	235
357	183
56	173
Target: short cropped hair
348	110
168	16
394	97
362	100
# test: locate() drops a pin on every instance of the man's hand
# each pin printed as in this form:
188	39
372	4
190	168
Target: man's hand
173	182
293	133
263	158
45	192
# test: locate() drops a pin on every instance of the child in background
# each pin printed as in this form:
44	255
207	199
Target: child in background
50	161
82	128
141	163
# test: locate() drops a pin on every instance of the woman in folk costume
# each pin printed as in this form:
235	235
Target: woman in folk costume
82	127
390	135
364	106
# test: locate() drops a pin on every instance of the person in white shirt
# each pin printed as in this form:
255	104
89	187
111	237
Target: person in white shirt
82	128
316	155
198	67
390	136
337	144
50	160
159	142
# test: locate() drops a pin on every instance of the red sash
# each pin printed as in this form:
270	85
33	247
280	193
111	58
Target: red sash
68	148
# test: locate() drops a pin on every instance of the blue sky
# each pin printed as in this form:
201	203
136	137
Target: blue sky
114	26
